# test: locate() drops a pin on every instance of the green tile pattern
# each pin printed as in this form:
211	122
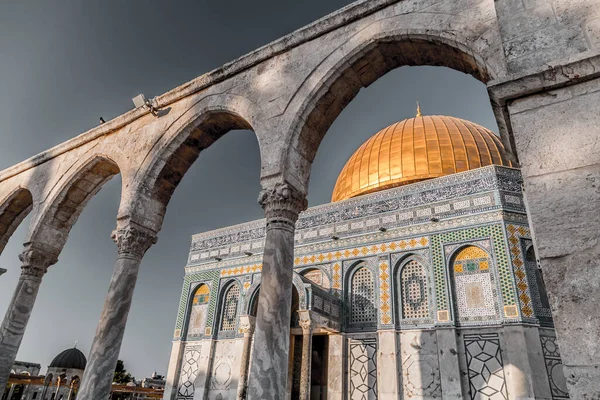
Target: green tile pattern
493	231
205	276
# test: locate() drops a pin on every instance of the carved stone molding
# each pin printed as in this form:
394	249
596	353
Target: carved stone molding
133	241
305	321
247	324
36	260
282	204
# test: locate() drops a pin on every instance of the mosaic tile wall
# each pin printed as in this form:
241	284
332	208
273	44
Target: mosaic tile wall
475	293
191	282
495	232
485	367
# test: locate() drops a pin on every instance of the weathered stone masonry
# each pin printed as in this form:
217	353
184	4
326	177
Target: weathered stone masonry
539	58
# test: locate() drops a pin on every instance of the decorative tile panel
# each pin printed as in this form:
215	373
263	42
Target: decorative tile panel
374	249
414	291
515	233
362	297
475	293
230	307
385	294
189	283
493	231
362	369
189	372
556	377
485	367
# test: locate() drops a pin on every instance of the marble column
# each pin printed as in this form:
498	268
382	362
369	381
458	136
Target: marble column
132	242
305	370
388	355
35	262
448	355
269	369
247	327
336	363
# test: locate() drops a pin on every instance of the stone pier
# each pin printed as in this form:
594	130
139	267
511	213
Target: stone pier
36	259
247	324
132	242
269	369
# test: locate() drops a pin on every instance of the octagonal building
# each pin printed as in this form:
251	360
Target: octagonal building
418	281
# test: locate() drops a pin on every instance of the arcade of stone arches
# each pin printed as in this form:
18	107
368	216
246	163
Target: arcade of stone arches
289	92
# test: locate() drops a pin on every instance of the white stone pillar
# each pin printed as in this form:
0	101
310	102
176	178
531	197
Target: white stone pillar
447	347
335	371
173	371
36	261
388	387
524	367
247	323
132	242
305	371
269	369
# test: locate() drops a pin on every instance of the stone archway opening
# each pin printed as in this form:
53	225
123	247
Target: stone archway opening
366	64
68	203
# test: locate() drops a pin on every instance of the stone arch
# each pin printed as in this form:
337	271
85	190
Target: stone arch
251	299
399	295
384	45
64	205
13	210
326	283
483	299
174	152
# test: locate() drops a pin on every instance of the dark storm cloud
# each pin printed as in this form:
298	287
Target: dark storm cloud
63	64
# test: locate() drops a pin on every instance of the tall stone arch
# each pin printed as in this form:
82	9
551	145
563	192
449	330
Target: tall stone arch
425	39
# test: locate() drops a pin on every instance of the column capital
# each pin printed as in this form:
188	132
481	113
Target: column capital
305	321
36	259
247	324
133	241
282	203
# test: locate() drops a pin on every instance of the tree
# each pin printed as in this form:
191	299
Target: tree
122	377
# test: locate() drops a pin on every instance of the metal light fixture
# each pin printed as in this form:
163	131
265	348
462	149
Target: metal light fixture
141	101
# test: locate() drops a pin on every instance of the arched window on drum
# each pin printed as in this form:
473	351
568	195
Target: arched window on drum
229	308
414	292
362	298
475	293
199	312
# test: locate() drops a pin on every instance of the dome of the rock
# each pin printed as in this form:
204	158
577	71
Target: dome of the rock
417	149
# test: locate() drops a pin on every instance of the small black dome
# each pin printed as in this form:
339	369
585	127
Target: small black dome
71	358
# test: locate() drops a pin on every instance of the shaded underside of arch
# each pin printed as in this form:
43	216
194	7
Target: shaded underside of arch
12	212
66	207
366	64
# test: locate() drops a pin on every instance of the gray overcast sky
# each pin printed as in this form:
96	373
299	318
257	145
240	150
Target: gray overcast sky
63	64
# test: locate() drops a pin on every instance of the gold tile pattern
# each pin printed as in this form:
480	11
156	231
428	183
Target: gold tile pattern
416	149
515	233
385	296
342	254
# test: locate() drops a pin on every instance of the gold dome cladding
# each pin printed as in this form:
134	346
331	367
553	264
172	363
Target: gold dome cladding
417	149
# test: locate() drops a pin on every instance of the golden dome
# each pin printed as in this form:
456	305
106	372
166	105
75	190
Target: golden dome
416	149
